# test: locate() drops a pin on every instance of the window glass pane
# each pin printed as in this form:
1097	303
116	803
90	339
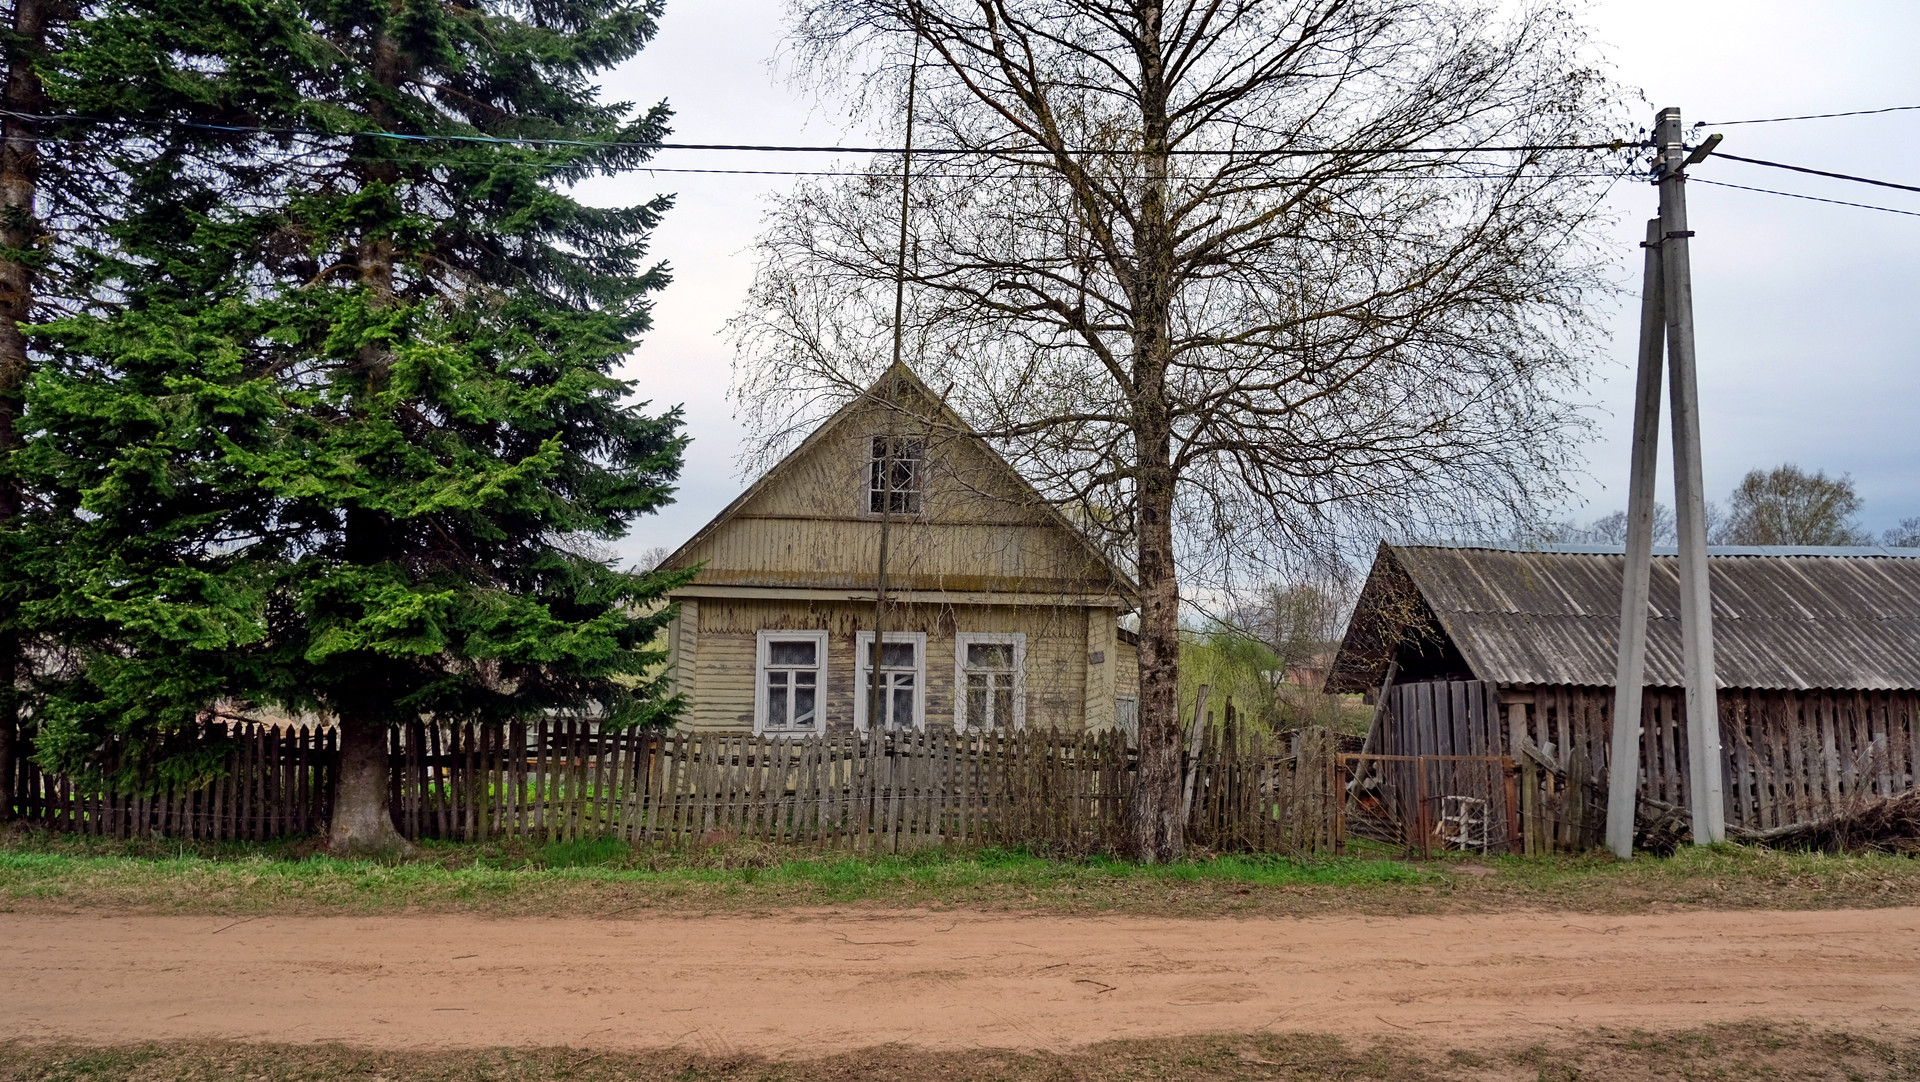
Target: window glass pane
1003	703
777	703
776	680
804	678
977	701
990	655
903	706
803	707
791	652
894	474
903	503
897	655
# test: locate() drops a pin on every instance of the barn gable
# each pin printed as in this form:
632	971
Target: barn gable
1784	618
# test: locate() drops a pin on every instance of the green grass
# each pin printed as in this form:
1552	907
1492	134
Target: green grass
1746	1051
43	868
45	872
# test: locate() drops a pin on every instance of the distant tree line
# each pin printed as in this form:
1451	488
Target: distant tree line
1782	506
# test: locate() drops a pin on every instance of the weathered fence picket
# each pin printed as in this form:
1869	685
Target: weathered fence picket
561	778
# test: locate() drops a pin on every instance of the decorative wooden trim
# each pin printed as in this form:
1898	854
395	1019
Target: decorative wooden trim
927	597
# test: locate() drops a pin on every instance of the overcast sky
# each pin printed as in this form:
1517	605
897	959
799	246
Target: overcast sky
1808	314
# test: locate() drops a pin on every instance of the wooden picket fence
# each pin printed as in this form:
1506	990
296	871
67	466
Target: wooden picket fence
255	782
565	780
556	780
1786	756
1266	793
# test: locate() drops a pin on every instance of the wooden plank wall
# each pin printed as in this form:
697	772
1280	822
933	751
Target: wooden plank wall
1786	756
561	779
1443	739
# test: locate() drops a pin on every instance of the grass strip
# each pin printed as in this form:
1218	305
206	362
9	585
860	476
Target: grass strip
55	873
1749	1051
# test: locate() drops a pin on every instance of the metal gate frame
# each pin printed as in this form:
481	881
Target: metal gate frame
1422	826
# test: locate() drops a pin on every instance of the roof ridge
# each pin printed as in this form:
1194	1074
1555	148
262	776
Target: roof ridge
1813	551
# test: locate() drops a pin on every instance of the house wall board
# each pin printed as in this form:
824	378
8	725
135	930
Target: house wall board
724	665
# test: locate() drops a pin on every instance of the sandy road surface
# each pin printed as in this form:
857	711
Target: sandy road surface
818	982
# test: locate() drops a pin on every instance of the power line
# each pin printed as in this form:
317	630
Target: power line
990	176
616	144
1818	172
1809	116
1797	195
646	167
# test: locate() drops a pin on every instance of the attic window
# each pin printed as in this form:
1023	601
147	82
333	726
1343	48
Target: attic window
895	474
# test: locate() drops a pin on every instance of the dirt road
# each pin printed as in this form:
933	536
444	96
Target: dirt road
815	982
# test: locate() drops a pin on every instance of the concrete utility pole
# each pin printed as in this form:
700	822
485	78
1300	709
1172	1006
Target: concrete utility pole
1669	286
1630	676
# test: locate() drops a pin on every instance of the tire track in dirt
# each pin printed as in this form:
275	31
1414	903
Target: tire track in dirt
815	982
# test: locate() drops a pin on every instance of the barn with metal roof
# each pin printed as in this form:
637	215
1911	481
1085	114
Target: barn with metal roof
1783	618
1503	650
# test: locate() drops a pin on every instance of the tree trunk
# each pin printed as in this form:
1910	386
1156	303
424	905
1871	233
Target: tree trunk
19	230
7	727
362	822
1159	829
362	819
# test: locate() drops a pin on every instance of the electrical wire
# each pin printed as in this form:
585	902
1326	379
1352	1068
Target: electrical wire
1797	195
1183	177
987	176
615	144
1809	116
1817	172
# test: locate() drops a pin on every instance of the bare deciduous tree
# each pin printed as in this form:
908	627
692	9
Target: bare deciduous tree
1299	619
1905	535
1789	506
1196	268
1611	529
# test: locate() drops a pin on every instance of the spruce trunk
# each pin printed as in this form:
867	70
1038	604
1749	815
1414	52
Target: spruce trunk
362	821
19	228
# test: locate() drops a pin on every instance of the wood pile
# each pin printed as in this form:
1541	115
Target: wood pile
1889	825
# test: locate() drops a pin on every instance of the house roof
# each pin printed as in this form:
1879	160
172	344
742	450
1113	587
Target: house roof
1783	618
886	389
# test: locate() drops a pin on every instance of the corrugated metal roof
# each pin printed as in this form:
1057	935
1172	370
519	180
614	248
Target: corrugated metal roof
1782	618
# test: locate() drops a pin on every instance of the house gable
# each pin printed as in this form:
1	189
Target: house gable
981	529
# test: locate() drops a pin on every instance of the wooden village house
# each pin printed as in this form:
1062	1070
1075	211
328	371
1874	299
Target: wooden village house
1490	651
999	613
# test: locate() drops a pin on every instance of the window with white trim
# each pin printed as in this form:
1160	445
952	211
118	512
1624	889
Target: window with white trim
790	682
895	473
903	679
989	680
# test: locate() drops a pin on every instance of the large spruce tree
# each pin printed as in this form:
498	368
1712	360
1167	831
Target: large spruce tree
352	441
90	97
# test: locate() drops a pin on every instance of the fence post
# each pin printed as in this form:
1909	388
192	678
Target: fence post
1514	837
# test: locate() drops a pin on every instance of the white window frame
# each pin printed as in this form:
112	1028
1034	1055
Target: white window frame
1018	640
863	675
916	496
761	659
